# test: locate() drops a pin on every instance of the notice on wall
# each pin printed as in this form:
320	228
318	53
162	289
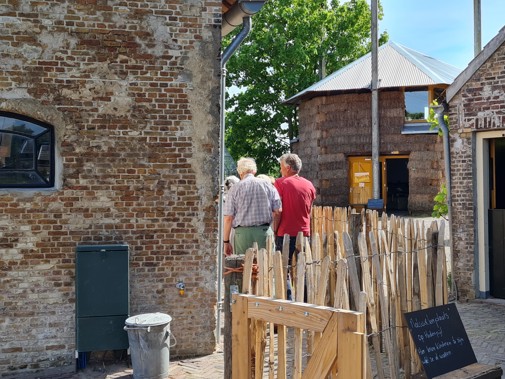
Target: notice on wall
440	339
361	177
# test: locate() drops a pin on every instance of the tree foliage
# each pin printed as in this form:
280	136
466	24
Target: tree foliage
440	208
293	43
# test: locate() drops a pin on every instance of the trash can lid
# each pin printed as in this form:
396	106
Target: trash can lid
148	319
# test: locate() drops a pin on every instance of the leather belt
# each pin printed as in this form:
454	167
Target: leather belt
252	226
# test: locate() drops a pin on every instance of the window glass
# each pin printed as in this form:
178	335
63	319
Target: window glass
26	152
416	104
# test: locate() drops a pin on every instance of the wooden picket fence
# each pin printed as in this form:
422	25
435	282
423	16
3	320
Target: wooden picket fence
399	263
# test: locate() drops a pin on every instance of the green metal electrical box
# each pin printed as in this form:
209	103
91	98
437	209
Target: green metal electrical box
102	297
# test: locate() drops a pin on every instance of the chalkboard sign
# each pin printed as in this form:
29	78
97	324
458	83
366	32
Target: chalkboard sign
440	338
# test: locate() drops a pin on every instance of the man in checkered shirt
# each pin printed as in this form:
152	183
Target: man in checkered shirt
252	206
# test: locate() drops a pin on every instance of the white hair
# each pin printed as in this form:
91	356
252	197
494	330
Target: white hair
246	165
266	178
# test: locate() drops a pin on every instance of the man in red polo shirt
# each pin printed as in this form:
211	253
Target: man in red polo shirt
297	195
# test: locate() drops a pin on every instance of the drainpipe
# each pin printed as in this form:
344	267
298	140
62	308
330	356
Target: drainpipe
241	11
439	112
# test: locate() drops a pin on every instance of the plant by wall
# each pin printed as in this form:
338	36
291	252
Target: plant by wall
440	208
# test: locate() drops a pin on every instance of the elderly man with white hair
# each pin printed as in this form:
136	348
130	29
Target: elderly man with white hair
251	206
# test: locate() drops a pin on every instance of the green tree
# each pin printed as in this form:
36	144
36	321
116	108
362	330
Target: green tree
293	43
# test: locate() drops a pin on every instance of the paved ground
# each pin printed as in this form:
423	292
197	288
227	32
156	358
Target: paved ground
484	323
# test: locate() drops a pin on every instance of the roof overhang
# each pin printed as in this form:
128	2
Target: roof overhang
234	12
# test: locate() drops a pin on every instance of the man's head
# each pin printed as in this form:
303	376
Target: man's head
229	181
246	166
291	164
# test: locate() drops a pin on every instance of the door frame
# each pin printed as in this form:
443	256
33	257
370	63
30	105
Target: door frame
481	178
482	197
382	161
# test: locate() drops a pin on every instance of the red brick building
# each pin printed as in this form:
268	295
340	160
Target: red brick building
109	135
477	142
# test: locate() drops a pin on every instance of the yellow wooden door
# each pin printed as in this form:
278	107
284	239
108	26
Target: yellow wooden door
360	178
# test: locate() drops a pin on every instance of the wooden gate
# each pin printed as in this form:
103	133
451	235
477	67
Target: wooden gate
340	347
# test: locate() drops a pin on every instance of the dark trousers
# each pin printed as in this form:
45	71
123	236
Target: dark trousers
292	245
279	241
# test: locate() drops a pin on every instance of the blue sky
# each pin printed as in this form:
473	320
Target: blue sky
442	29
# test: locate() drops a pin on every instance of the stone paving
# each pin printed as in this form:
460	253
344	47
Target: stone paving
484	322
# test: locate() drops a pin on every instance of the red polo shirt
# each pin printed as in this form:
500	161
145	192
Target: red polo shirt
297	195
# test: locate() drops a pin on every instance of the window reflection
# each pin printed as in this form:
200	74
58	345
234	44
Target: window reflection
26	152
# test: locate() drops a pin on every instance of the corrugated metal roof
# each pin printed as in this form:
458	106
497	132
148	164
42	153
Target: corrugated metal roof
398	66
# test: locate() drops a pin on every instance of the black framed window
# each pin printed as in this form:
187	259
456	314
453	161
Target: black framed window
416	105
26	152
418	101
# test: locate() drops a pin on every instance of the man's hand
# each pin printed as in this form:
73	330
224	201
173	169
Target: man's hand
228	249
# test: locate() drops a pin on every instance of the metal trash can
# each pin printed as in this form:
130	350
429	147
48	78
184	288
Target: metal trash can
149	338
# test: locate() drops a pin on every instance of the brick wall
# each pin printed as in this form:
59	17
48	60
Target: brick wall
478	106
132	90
332	128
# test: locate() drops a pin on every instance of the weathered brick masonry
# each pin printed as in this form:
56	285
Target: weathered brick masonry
332	128
132	89
478	106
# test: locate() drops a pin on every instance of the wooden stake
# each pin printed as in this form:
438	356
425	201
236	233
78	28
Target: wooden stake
241	365
383	306
298	333
280	290
261	325
372	309
235	279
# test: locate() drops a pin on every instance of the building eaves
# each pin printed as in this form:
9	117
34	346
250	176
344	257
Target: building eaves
398	67
475	64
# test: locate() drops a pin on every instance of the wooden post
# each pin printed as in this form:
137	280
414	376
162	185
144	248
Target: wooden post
280	293
372	307
260	325
241	363
232	265
422	271
383	305
353	271
351	331
355	227
404	298
431	261
416	281
441	273
298	333
393	299
341	291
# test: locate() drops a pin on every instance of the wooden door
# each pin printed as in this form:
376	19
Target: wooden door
496	215
360	180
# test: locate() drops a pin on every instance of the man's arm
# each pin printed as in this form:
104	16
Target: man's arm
228	250
277	220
